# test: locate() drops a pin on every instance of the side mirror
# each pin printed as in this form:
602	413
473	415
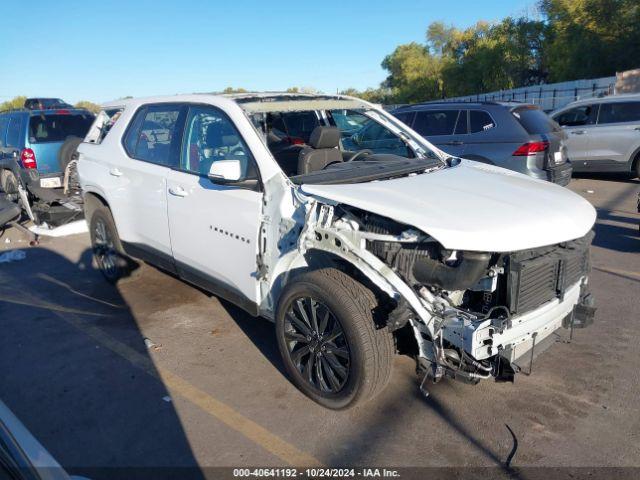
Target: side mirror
225	171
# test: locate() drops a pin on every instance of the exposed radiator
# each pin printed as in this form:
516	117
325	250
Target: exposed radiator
535	277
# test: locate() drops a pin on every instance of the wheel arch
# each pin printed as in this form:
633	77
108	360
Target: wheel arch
92	200
634	161
316	259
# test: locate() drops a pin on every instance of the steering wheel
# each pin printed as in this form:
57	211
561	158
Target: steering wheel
360	153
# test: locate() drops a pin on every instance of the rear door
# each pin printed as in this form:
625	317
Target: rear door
444	128
616	137
579	123
139	193
48	131
214	227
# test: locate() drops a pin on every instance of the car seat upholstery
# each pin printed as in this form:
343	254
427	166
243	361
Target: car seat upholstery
321	151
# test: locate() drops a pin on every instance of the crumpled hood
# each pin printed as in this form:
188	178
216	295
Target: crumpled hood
473	206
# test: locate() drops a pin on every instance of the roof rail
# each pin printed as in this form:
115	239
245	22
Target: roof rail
22	109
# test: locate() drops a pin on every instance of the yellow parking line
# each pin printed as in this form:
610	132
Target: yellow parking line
49	306
623	273
221	411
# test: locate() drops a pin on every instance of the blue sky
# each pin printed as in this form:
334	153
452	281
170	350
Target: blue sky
98	51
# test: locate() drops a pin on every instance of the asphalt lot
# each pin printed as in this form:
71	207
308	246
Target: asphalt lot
211	390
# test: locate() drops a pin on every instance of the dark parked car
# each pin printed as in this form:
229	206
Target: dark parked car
45	103
511	135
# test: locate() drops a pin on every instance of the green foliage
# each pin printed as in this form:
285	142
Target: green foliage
573	39
591	38
92	107
15	102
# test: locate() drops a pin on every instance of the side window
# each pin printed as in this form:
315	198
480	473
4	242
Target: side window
405	117
435	122
210	136
133	133
583	115
619	112
154	135
480	121
14	131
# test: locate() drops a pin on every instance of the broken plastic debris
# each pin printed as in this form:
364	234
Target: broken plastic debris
8	240
590	191
167	399
12	256
72	228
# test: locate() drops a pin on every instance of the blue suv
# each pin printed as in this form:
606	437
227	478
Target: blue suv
35	147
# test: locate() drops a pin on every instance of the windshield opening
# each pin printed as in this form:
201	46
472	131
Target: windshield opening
341	141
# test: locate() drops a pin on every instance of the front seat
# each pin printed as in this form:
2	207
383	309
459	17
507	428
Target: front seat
322	150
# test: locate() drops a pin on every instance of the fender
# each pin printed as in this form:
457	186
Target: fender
319	234
634	158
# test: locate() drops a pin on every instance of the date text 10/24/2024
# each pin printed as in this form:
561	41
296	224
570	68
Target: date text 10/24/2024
316	472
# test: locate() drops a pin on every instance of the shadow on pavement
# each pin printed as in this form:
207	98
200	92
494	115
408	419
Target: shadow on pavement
614	177
623	237
97	413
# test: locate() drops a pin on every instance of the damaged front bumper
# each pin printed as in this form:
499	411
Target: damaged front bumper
512	339
452	341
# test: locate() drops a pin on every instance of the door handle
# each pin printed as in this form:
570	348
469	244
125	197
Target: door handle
578	132
455	142
178	191
637	128
116	172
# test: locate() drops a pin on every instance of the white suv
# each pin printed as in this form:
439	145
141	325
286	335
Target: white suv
355	254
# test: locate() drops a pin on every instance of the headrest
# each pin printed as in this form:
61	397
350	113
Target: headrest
325	137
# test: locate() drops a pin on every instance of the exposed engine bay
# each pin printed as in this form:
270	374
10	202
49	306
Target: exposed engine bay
474	315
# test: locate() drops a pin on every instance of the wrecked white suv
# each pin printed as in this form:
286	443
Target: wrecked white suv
335	220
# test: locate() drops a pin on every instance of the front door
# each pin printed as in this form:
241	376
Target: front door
618	136
446	129
214	227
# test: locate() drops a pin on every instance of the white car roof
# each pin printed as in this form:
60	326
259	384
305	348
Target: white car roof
254	102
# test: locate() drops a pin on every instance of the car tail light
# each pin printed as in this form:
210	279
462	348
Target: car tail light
28	158
63	112
530	148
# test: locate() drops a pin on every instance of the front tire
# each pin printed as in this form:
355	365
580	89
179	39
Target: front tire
108	253
330	345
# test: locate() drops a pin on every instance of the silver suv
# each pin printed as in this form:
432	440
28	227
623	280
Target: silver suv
603	133
513	135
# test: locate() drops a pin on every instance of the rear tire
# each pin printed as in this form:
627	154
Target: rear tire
108	252
67	150
341	358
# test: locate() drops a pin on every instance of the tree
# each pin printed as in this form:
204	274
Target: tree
414	74
591	38
92	107
15	102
